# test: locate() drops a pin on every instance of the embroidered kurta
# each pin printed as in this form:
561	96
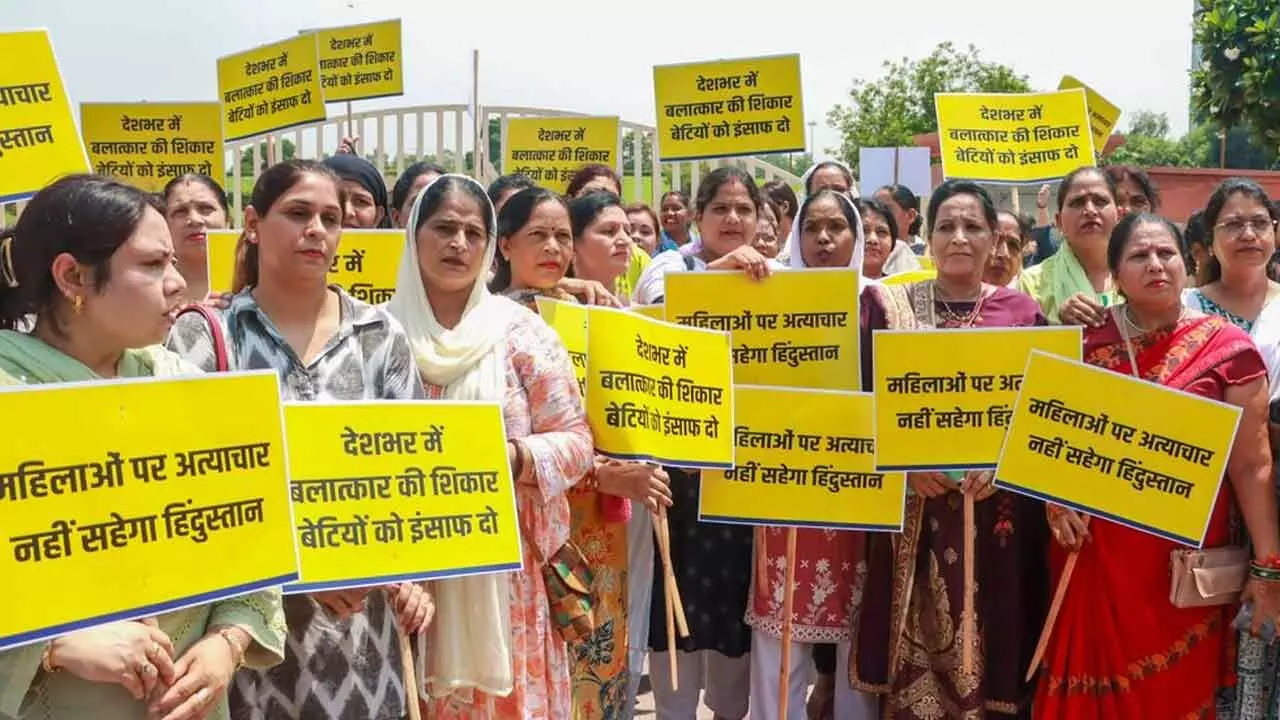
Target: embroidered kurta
908	639
599	663
543	411
334	669
828	584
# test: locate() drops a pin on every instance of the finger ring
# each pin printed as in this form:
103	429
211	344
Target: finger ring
202	696
146	668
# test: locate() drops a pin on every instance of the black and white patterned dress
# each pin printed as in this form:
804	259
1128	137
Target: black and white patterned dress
334	669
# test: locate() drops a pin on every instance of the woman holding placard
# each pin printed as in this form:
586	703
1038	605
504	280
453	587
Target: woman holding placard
908	643
343	656
92	259
194	205
828	233
1119	647
713	562
1242	239
495	650
539	238
1073	286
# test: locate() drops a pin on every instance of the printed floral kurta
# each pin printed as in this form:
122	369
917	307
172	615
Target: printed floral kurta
828	584
543	410
598	665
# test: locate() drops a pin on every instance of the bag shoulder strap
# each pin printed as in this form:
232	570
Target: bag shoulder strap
221	355
688	263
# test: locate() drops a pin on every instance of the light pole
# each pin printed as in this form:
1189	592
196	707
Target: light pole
813	154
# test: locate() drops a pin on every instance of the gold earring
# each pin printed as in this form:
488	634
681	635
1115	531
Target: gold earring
77	304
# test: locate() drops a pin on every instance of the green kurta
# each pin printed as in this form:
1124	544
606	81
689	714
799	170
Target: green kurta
29	693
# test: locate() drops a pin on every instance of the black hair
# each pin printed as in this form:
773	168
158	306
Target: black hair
514	215
872	205
906	200
808	178
435	193
87	216
586	174
196	178
400	191
506	184
1067	182
1124	230
783	196
952	188
721	176
585	209
1024	221
1120	173
271	185
1218	200
680	195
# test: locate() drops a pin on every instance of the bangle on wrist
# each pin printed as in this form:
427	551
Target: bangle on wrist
1269	562
46	659
237	652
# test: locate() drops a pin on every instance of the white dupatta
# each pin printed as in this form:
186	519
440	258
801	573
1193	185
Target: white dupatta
469	641
796	258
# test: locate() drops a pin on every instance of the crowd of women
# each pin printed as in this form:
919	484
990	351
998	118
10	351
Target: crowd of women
97	280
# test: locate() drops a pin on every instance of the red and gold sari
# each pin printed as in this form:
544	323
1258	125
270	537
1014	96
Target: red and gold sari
1119	649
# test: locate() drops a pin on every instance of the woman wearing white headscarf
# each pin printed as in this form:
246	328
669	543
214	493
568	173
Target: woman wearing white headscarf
827	233
492	651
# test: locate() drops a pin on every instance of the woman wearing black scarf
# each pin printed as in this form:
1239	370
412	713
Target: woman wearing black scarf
366	207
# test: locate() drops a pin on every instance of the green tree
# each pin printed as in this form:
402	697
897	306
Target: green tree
629	152
1148	144
286	149
890	110
1238	79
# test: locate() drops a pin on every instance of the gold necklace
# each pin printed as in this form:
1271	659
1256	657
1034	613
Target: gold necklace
950	315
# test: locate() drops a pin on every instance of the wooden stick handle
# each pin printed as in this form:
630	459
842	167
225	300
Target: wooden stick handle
410	675
663	529
1059	594
784	674
672	656
968	620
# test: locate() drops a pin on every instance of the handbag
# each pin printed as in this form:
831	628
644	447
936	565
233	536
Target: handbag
1199	578
1202	578
221	356
570	586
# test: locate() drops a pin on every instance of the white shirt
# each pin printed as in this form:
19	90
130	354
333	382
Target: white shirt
652	285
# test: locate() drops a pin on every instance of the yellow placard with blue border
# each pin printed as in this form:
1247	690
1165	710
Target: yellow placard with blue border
38	138
270	88
805	459
105	518
1016	138
658	392
944	398
726	108
365	264
569	320
149	144
796	328
1103	114
359	62
549	150
400	491
1106	444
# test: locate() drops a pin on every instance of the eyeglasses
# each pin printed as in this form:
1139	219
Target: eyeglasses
1235	227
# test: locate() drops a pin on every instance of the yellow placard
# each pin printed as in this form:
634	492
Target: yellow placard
944	398
569	320
1013	138
1103	114
1108	444
400	491
358	62
149	144
653	312
798	328
805	458
729	107
549	150
101	489
270	88
909	276
38	138
365	265
659	392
